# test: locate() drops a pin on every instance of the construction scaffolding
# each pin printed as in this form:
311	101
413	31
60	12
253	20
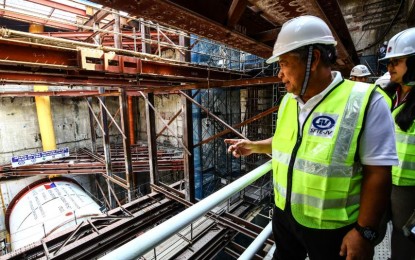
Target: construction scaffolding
111	76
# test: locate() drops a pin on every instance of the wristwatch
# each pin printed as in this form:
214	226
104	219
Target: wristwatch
366	232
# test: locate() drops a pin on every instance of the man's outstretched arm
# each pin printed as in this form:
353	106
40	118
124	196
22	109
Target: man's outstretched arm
242	147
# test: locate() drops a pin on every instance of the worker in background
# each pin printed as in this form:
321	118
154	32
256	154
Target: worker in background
332	151
400	60
382	50
383	80
382	83
360	73
381	53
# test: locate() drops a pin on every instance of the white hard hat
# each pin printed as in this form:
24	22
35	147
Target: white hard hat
383	80
401	45
360	71
299	32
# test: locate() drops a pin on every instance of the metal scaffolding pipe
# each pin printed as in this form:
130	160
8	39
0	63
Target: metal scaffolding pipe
251	250
147	241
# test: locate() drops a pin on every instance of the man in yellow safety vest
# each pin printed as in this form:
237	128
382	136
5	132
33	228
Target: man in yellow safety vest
332	151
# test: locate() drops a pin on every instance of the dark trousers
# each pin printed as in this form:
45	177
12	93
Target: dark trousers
402	206
294	241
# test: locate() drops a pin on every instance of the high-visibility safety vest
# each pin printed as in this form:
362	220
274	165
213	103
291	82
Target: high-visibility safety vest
404	173
317	174
387	98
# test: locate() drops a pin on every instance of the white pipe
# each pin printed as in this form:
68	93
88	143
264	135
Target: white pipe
147	241
257	243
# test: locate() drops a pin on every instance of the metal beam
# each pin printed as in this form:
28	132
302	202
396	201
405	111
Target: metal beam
236	83
33	54
231	221
150	104
60	6
126	143
213	115
79	79
106	142
235	12
155	236
75	65
189	171
98	16
265	36
34	19
339	28
151	138
101	101
250	120
61	93
172	14
257	243
169	123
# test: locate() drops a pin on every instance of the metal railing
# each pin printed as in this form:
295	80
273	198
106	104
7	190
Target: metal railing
251	250
149	240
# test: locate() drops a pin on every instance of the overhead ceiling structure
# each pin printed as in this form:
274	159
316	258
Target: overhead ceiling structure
87	44
249	25
87	47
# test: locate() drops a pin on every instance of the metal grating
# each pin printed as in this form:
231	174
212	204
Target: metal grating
382	251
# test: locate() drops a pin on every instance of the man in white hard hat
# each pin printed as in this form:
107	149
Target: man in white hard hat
332	151
360	73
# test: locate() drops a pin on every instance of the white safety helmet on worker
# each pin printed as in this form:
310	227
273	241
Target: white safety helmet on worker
383	80
301	31
401	45
360	71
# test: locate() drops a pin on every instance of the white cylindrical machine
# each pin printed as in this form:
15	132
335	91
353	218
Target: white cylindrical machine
47	206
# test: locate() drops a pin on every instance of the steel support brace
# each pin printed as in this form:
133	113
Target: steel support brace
226	219
155	236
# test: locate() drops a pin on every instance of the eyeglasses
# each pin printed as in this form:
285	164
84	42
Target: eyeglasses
394	62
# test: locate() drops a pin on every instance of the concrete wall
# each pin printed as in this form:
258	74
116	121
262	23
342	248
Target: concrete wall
19	131
167	106
368	20
19	128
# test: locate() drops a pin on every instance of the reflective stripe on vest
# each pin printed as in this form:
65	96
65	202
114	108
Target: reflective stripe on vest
404	138
317	203
326	178
387	98
404	173
316	168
